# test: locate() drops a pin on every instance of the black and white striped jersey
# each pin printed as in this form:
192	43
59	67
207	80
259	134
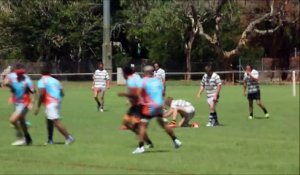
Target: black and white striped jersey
100	77
252	85
211	83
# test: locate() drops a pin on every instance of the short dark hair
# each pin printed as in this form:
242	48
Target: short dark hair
18	66
128	70
46	69
250	65
208	68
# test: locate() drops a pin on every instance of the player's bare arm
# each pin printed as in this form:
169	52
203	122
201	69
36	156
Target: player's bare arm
219	87
40	100
245	87
201	89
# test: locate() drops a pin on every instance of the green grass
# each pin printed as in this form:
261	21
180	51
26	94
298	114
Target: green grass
241	146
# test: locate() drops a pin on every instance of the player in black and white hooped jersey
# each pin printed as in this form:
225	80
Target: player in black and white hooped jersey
100	84
251	77
212	83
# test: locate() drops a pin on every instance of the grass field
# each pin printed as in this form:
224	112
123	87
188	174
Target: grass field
241	146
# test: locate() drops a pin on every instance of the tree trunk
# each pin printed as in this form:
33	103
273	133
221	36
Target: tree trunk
188	55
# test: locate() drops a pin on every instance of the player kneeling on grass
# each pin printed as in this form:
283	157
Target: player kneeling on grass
133	117
21	98
51	94
182	107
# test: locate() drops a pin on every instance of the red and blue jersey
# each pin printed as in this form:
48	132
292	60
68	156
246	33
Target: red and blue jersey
20	93
153	100
134	84
51	88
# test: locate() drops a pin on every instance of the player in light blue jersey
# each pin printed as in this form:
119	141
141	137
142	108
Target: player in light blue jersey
51	94
152	107
132	119
21	99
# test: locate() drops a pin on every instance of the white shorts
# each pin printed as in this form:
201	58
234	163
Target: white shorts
210	100
99	89
20	108
189	109
52	111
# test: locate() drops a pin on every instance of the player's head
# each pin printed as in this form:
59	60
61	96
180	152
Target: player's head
18	66
168	101
20	74
127	71
100	66
208	69
248	67
46	69
156	66
148	70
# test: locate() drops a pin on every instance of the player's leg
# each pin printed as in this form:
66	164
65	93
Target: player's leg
53	114
259	103
250	101
14	120
96	92
23	125
50	130
163	123
141	136
102	99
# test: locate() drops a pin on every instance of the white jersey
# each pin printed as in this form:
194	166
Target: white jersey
252	85
182	104
160	73
211	83
100	77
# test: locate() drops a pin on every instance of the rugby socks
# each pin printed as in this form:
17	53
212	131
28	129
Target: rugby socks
251	114
265	110
50	129
141	144
98	102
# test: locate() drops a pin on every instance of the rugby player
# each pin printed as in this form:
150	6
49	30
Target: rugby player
21	90
51	94
152	107
160	74
132	119
212	83
182	107
251	77
100	84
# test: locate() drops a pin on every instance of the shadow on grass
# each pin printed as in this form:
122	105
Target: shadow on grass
260	118
156	151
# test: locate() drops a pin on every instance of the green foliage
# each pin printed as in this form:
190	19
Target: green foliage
53	29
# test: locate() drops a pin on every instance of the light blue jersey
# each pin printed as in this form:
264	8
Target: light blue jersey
52	89
152	95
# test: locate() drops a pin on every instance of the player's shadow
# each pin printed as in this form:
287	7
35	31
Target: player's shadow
43	145
156	151
260	118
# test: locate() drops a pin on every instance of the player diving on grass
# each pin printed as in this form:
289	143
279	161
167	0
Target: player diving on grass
51	94
152	107
131	120
212	83
21	88
100	84
182	107
251	77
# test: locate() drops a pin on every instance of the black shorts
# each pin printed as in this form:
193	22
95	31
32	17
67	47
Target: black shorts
135	110
254	96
